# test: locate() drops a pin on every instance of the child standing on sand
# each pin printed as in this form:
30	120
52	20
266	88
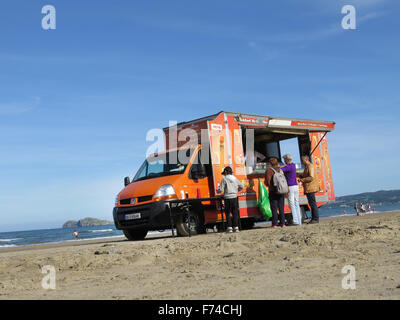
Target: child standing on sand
230	185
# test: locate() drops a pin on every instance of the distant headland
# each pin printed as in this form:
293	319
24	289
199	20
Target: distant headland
381	197
86	222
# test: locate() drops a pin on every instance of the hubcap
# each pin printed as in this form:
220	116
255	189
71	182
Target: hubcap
190	222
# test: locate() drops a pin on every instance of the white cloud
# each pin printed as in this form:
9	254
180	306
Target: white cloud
264	51
371	16
319	33
367	3
329	5
17	108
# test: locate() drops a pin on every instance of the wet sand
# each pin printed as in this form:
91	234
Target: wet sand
291	263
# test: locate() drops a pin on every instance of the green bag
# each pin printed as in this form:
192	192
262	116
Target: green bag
263	201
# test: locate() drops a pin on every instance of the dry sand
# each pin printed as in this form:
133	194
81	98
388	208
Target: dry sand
263	263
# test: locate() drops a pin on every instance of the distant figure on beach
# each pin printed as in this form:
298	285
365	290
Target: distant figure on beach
356	208
363	210
369	208
75	234
344	211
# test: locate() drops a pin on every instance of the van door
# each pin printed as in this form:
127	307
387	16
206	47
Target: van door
200	177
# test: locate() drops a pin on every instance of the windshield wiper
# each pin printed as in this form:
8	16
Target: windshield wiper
152	175
156	175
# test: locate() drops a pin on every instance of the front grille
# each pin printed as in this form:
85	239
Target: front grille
126	210
125	201
128	223
144	198
145	212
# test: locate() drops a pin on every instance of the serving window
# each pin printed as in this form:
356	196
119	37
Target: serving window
273	143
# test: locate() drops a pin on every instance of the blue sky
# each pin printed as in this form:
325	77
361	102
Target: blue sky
76	102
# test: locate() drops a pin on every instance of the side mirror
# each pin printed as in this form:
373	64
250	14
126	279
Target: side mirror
127	181
198	171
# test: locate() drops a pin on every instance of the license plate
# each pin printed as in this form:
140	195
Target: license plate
133	216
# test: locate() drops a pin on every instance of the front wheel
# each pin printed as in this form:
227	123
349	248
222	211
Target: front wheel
189	224
132	234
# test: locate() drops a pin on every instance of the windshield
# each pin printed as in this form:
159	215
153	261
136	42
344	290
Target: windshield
165	165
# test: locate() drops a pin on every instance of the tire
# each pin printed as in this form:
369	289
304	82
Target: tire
247	223
189	220
134	235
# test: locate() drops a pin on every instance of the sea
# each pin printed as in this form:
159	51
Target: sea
59	235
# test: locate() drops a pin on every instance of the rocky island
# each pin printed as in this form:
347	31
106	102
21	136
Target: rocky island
381	197
86	222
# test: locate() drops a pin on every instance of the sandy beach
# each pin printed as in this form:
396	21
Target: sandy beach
292	263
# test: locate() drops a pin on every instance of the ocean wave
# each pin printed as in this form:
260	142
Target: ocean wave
101	230
9	240
83	240
61	241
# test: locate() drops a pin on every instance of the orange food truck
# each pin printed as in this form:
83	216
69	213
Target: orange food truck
177	188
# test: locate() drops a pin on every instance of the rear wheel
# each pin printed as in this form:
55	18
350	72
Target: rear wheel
132	234
189	224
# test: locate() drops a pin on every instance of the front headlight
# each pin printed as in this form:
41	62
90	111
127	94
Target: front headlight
116	199
166	191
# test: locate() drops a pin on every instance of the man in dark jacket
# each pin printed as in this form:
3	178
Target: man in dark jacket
311	186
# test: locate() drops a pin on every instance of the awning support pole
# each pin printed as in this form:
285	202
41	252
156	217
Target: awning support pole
318	143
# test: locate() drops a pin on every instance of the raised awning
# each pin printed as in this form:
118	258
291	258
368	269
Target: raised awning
309	125
285	124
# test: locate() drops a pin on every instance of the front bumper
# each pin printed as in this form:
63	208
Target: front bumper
154	216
